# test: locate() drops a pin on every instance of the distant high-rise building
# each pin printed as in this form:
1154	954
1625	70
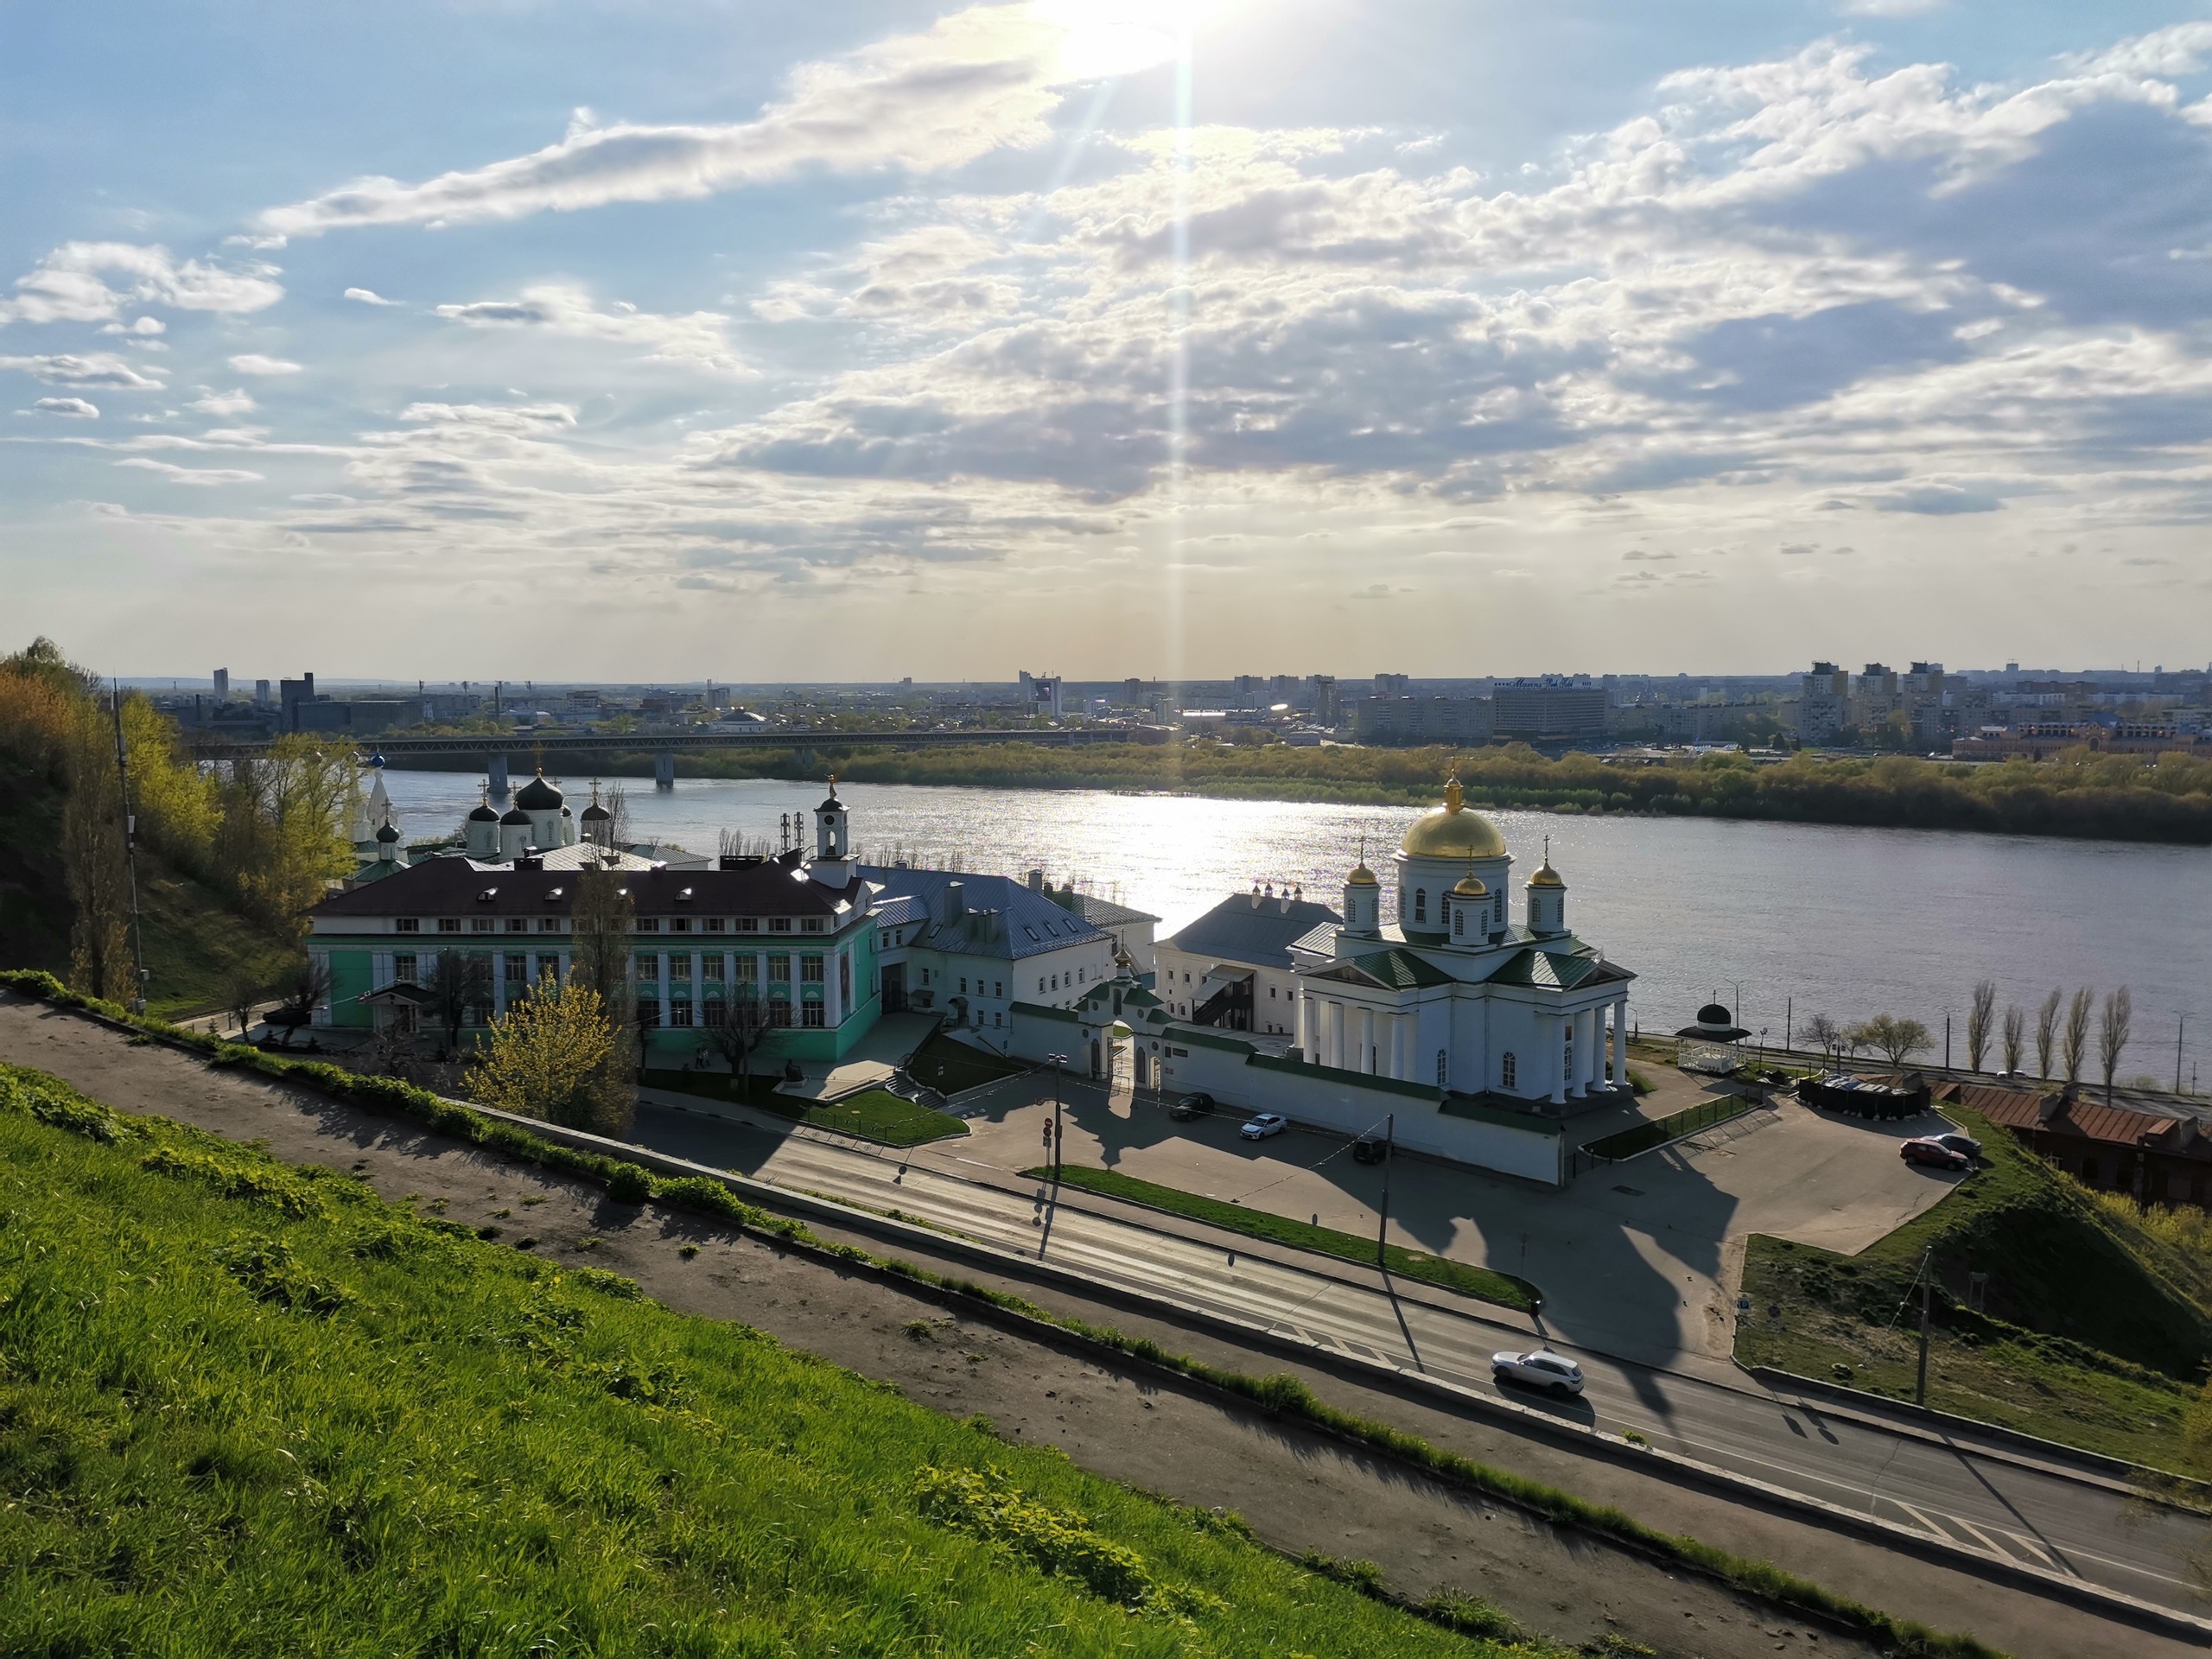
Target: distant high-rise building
261	692
222	685
1321	691
1549	706
1823	703
1393	685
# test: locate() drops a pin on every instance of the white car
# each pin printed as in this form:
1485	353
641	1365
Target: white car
1267	1123
1540	1368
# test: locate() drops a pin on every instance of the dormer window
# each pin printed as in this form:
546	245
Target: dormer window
553	895
683	895
487	895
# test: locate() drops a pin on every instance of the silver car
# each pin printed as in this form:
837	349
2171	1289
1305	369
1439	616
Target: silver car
1539	1368
1262	1126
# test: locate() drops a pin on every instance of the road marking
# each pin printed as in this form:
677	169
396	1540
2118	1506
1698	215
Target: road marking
1924	1521
2040	1553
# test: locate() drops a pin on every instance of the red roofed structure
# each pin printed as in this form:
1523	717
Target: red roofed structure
2153	1160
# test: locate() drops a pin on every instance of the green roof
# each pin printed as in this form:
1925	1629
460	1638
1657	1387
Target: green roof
1394	969
1555	971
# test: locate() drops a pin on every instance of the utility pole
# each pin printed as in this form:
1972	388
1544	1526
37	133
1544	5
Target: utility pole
1927	1290
1788	1021
2180	1026
1057	1061
130	855
1383	1229
1947	1042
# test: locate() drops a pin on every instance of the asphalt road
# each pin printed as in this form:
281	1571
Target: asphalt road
2039	1517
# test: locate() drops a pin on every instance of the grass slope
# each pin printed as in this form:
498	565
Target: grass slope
949	1065
195	942
2095	1331
252	1409
1468	1280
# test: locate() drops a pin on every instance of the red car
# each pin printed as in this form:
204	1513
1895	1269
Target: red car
1931	1150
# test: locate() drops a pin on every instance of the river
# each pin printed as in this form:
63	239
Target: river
1771	917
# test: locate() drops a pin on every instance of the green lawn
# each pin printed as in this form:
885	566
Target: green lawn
873	1113
949	1065
254	1410
1480	1282
2094	1330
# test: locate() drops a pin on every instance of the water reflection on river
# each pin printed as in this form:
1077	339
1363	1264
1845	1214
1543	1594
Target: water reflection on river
1847	922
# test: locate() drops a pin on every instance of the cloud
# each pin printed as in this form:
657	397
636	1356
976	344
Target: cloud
976	81
370	296
138	329
698	339
196	475
1887	7
211	402
91	369
255	363
77	407
70	285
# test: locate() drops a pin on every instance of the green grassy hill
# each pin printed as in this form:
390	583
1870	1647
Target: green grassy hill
2094	1330
195	942
249	1409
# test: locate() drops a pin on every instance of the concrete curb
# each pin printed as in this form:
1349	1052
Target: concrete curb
2115	1474
1943	1550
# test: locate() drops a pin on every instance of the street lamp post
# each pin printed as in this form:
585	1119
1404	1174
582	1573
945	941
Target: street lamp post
1059	1060
1382	1231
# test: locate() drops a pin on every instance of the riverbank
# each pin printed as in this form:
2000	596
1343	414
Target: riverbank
2080	795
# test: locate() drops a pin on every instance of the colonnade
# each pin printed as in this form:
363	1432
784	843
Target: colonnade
1589	1048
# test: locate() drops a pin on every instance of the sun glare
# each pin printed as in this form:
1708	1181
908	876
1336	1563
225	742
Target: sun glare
1105	38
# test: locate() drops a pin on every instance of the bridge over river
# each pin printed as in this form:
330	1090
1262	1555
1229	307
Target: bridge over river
497	749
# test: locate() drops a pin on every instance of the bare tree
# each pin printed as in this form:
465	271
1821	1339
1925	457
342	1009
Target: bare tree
2074	1042
743	1026
1895	1039
1826	1035
2046	1033
1981	1018
240	992
619	830
460	985
2112	1034
2016	1032
305	988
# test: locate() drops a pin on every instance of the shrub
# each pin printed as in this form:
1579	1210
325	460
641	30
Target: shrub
628	1184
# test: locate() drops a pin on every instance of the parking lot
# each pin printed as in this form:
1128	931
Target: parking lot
1639	1258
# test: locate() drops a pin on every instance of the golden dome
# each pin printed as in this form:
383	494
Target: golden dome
1469	887
1362	877
1452	831
1546	877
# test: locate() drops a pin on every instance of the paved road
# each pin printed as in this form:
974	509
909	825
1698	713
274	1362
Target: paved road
2032	1515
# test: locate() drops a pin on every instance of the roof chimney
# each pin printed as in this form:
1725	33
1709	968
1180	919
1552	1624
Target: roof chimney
956	900
1036	880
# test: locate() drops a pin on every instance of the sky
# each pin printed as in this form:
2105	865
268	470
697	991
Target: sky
761	340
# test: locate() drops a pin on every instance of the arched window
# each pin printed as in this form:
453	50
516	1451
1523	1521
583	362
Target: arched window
1507	1072
1421	904
1443	1066
1460	923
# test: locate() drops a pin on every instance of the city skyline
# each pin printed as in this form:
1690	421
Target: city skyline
1132	339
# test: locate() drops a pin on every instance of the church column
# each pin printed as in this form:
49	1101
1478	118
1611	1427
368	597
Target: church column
1366	1042
1333	1033
1620	1043
831	1014
1593	1066
1305	1025
1402	1027
1557	1063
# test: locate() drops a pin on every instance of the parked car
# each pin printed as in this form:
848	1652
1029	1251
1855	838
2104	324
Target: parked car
1539	1368
1191	1106
1965	1145
1369	1149
1267	1123
1931	1150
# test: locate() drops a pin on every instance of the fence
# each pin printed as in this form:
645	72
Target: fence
1659	1130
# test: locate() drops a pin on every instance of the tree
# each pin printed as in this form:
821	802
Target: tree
1981	1017
460	984
2074	1043
599	924
618	819
240	992
1893	1038
549	1057
2046	1031
2016	1032
1826	1035
2112	1034
100	963
743	1026
304	989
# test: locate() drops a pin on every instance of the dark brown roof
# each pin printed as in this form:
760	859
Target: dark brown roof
455	886
2086	1120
